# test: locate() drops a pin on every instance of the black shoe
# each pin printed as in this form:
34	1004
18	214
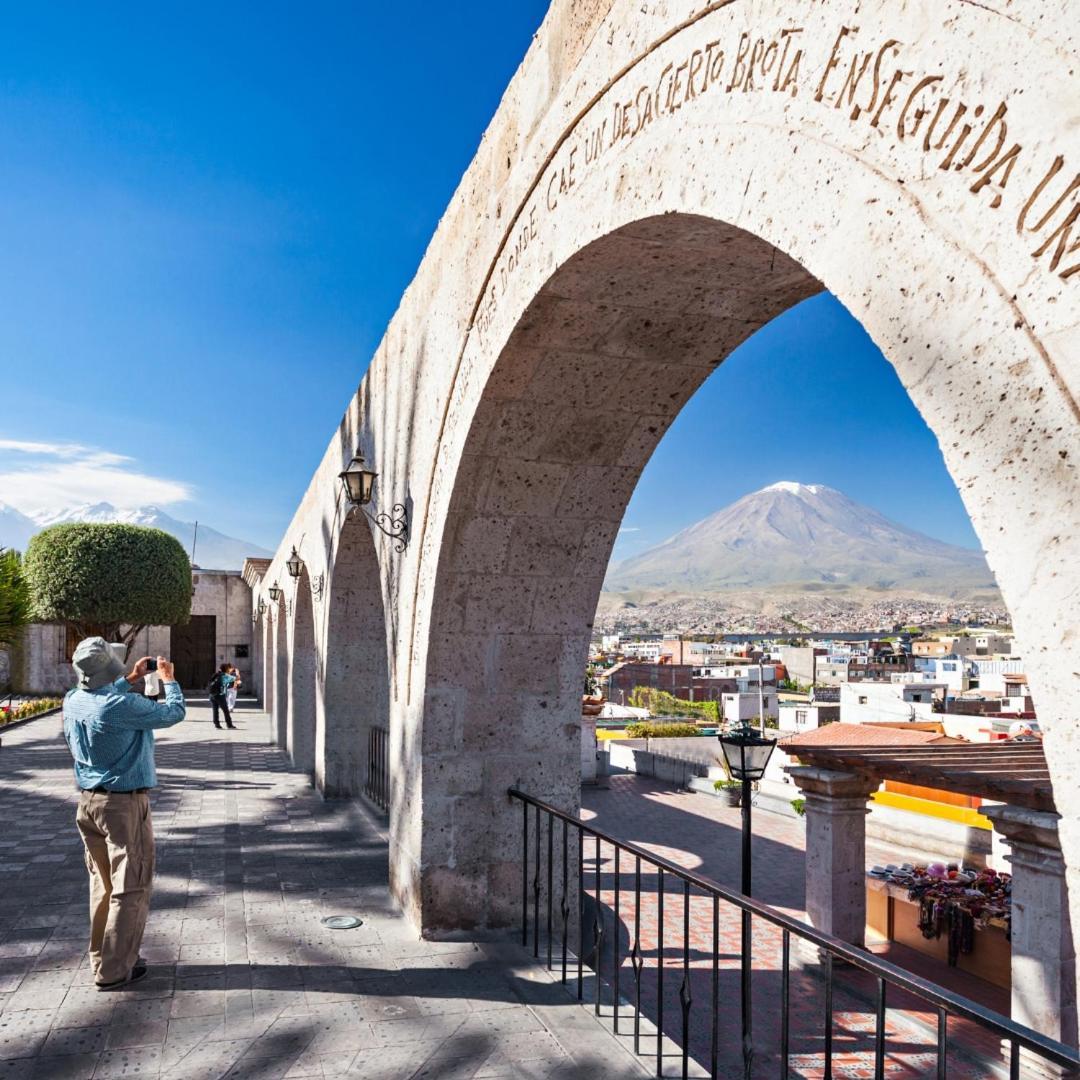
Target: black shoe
137	972
231	727
218	726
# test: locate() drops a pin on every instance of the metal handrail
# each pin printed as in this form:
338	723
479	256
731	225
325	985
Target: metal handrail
945	1001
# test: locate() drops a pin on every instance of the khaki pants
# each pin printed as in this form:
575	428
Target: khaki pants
119	841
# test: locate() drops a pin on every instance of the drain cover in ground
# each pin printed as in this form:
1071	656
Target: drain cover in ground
342	922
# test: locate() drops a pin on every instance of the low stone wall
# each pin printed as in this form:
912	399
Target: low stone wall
660	758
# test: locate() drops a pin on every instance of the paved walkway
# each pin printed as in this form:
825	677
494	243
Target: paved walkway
244	981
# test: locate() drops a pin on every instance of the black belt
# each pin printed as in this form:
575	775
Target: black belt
113	791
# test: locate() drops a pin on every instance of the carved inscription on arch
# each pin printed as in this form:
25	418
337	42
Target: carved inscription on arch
873	81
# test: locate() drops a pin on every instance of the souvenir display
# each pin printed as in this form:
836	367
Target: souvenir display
953	900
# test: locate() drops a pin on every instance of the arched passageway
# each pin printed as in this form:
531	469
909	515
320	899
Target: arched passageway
636	321
300	722
355	680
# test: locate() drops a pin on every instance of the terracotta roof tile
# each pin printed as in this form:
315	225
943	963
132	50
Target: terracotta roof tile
863	735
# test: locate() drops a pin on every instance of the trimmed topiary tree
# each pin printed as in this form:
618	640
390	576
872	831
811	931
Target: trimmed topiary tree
113	580
14	598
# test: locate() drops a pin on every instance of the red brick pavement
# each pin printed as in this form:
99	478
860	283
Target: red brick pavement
703	834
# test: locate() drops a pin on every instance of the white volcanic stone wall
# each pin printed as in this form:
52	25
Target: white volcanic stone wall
659	180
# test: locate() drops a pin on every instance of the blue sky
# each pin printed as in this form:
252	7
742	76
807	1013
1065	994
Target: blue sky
209	213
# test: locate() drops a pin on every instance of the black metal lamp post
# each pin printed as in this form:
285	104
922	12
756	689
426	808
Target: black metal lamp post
294	564
747	754
274	592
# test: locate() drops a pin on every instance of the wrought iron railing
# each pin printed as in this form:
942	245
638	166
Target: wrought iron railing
553	883
377	784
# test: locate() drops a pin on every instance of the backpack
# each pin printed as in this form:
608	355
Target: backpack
213	687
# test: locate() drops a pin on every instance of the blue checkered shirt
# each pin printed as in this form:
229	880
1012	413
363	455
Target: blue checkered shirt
110	732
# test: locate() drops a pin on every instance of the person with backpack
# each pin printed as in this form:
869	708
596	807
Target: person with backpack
234	691
218	689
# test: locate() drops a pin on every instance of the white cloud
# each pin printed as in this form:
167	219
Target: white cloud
36	476
629	529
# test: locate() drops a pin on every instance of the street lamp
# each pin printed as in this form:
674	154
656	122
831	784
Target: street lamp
746	753
294	564
274	592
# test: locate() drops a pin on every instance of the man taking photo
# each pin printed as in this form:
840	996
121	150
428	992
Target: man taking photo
110	731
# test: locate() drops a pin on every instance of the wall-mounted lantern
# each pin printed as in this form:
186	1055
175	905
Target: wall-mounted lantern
274	592
358	481
359	484
294	564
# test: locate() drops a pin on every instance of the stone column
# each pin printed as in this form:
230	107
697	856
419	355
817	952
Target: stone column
1043	955
835	848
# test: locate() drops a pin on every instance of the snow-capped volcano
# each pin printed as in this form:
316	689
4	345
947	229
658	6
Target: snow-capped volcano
804	535
15	528
213	550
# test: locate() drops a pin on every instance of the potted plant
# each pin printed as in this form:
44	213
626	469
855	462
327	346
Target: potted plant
731	790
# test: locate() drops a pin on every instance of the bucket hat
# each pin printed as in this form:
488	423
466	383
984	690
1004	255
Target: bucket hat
95	663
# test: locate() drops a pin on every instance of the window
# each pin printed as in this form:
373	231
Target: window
863	700
240	652
800	717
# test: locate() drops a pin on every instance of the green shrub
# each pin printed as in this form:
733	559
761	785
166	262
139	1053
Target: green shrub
661	703
726	785
111	580
799	806
644	729
14	597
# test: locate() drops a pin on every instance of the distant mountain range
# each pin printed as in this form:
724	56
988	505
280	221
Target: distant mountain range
213	550
802	538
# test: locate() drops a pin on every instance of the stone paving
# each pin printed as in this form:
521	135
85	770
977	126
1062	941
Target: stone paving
244	980
703	834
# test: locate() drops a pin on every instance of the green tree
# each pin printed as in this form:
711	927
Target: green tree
113	580
14	598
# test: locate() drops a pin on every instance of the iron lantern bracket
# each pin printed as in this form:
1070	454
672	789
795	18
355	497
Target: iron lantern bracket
395	524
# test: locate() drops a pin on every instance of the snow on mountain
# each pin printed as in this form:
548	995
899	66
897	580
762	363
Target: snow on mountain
213	550
15	528
805	535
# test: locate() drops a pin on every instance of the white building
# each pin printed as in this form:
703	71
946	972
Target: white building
646	651
804	715
746	676
870	701
745	706
950	670
832	669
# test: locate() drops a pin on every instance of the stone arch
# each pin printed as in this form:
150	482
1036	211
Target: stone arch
267	684
303	679
281	674
637	320
355	688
